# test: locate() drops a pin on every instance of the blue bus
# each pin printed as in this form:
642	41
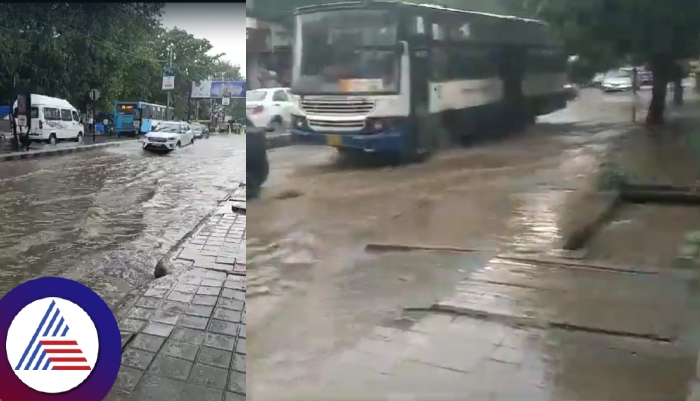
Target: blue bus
131	118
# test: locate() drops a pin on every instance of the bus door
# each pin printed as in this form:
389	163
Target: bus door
419	73
137	120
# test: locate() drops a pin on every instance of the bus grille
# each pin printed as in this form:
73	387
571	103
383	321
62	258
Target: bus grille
336	125
340	106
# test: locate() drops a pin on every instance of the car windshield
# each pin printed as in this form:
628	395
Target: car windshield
167	128
619	74
255	96
346	51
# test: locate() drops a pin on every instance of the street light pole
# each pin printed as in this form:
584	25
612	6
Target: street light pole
167	109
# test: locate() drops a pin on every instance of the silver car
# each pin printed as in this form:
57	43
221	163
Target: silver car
199	130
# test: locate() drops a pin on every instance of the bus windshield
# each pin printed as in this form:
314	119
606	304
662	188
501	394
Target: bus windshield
346	51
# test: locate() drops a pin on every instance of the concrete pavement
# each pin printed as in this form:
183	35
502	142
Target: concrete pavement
521	331
62	148
184	335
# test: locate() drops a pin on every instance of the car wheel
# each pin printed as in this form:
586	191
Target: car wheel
52	139
178	145
192	141
79	138
277	126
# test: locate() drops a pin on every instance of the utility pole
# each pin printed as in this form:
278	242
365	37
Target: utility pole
635	80
13	121
167	109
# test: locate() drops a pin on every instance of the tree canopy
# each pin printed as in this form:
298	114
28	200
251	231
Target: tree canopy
121	49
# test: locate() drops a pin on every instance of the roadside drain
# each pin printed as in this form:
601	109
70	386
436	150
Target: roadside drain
532	322
384	248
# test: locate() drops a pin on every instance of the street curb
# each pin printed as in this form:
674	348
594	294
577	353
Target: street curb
58	152
164	264
279	141
609	204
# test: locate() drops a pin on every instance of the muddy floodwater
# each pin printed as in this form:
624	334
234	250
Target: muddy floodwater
327	312
105	217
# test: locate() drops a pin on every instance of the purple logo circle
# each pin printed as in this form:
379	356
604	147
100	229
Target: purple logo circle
62	343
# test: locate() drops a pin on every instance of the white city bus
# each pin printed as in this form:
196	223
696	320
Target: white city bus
404	79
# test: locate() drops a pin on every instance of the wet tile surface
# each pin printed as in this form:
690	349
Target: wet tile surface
181	347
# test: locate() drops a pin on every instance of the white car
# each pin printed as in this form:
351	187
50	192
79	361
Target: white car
617	81
598	79
199	130
54	119
168	136
269	107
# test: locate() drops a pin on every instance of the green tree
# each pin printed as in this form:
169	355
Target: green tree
66	49
191	63
638	31
225	71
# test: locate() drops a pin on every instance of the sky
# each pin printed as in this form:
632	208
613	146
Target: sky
222	24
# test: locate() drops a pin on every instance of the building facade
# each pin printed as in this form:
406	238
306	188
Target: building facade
268	54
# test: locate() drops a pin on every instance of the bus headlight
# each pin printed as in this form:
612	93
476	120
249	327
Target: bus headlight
380	124
298	121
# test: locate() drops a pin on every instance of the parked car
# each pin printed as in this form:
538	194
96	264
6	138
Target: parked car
168	136
199	130
257	165
645	77
597	80
269	107
571	91
617	81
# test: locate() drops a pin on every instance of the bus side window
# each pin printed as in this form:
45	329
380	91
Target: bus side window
145	111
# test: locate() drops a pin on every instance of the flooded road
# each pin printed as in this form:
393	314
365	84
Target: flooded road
310	277
106	217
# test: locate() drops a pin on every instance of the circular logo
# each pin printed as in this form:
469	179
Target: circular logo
69	351
62	343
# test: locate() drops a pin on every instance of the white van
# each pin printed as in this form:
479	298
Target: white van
54	119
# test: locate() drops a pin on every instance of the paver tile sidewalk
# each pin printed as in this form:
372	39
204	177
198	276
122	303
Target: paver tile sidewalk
184	336
521	332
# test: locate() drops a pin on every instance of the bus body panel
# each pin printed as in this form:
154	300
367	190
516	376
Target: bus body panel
337	128
123	120
440	95
143	119
324	127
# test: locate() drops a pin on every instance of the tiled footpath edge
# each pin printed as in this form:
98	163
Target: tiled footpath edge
35	154
184	335
172	261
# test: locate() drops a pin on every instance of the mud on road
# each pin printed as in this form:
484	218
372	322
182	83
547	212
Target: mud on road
310	277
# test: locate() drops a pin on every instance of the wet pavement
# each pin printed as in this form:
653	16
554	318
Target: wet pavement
5	147
105	217
184	335
310	277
